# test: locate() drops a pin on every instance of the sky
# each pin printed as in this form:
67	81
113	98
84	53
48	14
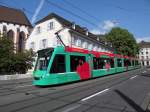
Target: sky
99	16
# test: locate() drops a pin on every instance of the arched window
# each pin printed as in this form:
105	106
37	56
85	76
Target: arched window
10	35
4	30
21	41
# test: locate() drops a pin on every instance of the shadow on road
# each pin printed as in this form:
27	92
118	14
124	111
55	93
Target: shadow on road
146	75
130	102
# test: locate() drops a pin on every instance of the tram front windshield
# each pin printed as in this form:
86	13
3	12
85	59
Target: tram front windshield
44	57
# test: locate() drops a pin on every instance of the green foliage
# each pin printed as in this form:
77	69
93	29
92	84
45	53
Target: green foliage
23	61
11	62
123	41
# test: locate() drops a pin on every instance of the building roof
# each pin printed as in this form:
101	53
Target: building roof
53	15
14	16
144	44
66	23
63	21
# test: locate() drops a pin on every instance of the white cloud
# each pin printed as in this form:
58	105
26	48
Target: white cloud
96	31
37	11
143	38
106	26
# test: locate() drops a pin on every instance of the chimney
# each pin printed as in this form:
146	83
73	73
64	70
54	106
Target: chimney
86	31
97	38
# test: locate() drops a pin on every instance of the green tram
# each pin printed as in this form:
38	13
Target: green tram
66	64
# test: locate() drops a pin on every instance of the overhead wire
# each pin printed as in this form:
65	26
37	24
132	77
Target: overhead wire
81	10
72	13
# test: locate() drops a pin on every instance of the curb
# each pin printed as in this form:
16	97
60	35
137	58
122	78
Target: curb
15	76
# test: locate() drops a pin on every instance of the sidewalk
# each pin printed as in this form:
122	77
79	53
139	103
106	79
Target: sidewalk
16	76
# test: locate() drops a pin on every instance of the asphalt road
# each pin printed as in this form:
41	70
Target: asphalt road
124	92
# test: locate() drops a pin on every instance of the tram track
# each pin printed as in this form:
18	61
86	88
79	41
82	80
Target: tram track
15	83
78	101
65	85
83	88
58	99
14	90
10	87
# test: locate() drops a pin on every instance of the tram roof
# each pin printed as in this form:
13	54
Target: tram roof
44	52
96	53
47	51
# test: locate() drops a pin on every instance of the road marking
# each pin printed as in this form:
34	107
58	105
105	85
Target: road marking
71	108
23	86
84	99
134	77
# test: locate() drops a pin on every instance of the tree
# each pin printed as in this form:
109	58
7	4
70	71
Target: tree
123	41
6	55
23	61
11	62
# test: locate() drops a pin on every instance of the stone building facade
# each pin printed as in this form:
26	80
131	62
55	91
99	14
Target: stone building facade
14	25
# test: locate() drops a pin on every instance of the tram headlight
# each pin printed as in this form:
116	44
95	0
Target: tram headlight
43	76
47	74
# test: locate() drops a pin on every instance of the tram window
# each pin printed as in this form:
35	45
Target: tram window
102	62
137	62
109	61
112	63
99	63
125	62
133	63
75	61
58	65
129	61
95	63
42	63
119	62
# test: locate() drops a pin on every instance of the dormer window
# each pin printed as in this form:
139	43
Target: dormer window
97	38
50	26
38	30
87	32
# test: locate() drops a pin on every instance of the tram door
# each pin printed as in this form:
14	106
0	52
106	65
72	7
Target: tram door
81	66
